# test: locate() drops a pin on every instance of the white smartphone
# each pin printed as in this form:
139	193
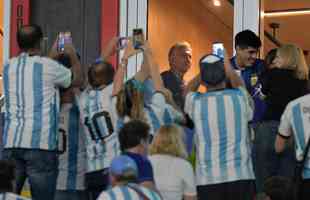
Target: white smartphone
218	49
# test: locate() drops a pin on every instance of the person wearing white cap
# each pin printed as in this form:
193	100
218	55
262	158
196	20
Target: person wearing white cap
220	116
124	174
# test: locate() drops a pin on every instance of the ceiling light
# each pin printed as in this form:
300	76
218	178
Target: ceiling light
287	13
216	3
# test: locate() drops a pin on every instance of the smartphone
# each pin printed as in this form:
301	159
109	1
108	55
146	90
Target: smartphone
218	49
138	38
63	38
61	42
122	43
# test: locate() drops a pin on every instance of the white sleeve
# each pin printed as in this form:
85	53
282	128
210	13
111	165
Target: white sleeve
158	99
189	104
249	103
285	128
189	186
104	196
62	75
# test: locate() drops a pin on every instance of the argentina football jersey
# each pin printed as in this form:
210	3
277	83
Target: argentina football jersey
72	162
32	101
11	196
222	139
101	139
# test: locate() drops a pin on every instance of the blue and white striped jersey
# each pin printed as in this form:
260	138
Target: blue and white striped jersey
157	113
97	116
32	101
72	163
126	193
222	138
296	121
11	196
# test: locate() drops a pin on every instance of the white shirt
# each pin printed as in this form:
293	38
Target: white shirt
11	196
174	177
32	101
296	121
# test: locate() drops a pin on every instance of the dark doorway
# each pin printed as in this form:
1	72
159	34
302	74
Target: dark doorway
81	17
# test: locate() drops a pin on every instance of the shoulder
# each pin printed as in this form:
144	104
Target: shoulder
166	73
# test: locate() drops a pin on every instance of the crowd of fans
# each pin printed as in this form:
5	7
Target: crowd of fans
101	136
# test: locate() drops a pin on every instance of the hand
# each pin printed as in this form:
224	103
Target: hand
53	54
69	50
110	49
130	50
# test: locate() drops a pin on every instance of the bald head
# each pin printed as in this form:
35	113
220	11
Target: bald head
29	37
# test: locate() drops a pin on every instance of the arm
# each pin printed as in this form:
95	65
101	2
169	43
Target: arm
280	143
235	80
119	77
76	69
194	84
110	49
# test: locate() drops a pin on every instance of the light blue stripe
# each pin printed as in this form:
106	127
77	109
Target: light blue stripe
23	100
298	124
37	104
167	117
125	192
221	117
7	115
238	133
73	147
18	106
154	120
111	194
206	137
52	125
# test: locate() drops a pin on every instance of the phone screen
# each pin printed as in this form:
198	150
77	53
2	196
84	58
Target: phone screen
138	38
122	43
218	49
61	42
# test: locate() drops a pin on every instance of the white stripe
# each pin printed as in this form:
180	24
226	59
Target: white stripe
6	30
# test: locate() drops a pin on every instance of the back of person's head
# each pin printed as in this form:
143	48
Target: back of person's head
29	37
212	70
294	59
7	175
132	134
100	73
169	140
123	169
269	58
279	188
246	39
130	100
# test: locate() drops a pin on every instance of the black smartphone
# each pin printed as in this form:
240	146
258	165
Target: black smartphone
138	38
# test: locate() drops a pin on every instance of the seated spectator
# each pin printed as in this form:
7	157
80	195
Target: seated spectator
279	188
7	177
174	175
124	174
134	139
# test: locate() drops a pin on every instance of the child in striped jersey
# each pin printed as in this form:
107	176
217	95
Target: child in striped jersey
124	173
96	117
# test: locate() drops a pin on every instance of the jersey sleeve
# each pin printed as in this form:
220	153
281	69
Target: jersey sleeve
285	128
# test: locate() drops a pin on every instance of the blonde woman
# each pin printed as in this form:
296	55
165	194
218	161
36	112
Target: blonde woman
284	82
173	174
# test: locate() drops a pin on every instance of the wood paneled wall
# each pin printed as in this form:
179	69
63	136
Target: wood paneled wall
170	21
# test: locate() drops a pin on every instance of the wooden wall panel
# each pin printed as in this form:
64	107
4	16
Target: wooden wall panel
170	21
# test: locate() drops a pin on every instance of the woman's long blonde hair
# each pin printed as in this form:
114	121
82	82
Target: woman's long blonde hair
169	140
294	60
130	101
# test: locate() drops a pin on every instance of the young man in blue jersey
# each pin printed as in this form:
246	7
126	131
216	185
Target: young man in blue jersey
7	176
31	89
134	138
124	174
221	115
295	122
